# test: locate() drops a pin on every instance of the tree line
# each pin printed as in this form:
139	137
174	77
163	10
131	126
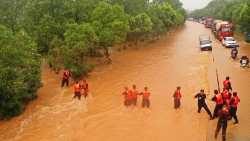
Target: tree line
234	11
68	32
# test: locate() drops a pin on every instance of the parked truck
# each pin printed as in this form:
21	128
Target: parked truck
213	28
208	22
224	29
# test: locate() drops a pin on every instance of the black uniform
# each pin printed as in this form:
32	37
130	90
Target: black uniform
202	103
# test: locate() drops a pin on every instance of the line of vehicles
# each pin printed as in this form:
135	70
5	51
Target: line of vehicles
224	32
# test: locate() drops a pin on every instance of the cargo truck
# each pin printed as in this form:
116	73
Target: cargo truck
224	29
208	23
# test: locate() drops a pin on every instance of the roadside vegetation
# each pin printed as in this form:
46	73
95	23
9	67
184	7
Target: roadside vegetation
69	32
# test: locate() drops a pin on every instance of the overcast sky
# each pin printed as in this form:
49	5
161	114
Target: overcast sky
194	4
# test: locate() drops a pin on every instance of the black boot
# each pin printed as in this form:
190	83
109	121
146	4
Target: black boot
223	138
215	135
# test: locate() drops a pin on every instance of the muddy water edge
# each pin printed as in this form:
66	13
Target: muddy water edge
174	60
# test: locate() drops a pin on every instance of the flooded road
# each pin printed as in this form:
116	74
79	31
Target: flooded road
174	60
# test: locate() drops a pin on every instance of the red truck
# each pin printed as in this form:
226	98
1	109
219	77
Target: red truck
208	23
224	30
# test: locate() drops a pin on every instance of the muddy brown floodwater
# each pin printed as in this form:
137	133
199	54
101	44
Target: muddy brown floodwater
174	60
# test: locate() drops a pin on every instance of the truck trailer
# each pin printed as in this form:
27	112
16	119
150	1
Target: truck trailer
213	28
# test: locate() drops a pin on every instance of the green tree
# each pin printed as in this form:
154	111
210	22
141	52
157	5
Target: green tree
140	25
79	39
11	12
20	72
110	24
245	18
132	7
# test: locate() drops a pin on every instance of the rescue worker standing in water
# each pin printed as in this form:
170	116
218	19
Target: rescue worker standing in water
77	89
201	102
66	76
219	103
233	104
134	93
127	96
222	122
145	97
227	83
85	87
177	97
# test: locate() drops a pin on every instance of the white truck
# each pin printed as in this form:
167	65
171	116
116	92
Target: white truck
205	42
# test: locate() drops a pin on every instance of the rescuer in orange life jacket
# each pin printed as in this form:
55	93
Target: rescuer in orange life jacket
201	102
233	104
222	122
145	97
227	83
77	89
177	98
134	93
85	87
226	95
66	76
127	96
219	103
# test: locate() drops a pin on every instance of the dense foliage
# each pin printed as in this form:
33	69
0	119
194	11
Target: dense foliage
20	71
234	11
70	31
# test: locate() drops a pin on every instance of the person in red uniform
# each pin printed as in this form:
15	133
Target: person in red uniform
77	89
226	96
233	104
145	97
134	93
127	96
219	103
177	97
222	122
85	87
66	76
227	83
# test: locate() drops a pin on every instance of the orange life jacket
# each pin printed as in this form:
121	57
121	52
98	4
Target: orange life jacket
236	101
134	93
225	83
225	95
145	94
66	75
178	96
219	99
77	88
128	94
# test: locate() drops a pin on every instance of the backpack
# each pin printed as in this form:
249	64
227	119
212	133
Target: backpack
223	120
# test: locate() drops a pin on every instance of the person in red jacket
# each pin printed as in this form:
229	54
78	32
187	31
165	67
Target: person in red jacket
226	95
222	122
66	76
233	104
127	96
219	103
85	87
134	94
77	89
145	97
227	83
177	97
